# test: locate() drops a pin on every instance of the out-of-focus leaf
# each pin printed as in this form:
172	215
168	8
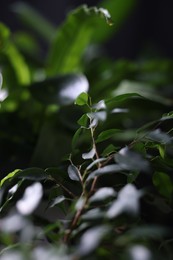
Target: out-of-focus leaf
9	176
106	135
127	202
34	20
109	149
159	136
112	168
143	89
62	90
57	201
93	214
31	199
12	223
77	30
91	239
82	99
76	137
83	121
35	174
103	194
0	80
163	183
112	102
95	162
89	155
100	105
119	110
137	252
13	56
129	160
119	12
73	173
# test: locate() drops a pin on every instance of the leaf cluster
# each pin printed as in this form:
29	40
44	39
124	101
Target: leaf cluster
93	143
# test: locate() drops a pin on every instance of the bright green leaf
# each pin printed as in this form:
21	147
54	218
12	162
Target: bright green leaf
9	176
77	30
82	99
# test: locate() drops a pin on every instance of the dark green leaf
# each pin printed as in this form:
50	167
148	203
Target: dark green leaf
83	121
35	174
129	160
109	149
62	90
163	183
106	135
76	137
73	173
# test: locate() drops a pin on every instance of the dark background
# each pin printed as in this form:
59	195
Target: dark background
150	24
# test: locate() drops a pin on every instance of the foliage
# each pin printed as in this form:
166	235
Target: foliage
91	139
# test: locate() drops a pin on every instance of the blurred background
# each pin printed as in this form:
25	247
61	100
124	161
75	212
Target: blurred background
148	27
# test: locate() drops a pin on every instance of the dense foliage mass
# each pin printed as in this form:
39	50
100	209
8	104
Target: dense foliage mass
91	139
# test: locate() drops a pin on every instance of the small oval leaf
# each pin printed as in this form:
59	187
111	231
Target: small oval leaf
73	173
89	155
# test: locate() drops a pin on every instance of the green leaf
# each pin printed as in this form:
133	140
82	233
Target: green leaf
119	13
77	30
129	160
73	173
34	174
142	89
82	99
83	121
109	149
163	183
34	20
106	135
9	176
61	90
13	56
112	102
75	139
